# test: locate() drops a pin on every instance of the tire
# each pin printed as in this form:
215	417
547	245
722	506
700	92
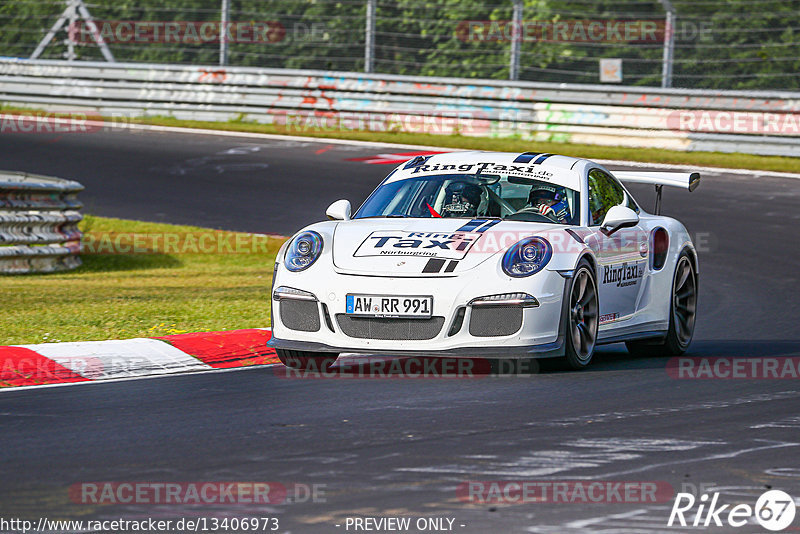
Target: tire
581	317
307	361
682	315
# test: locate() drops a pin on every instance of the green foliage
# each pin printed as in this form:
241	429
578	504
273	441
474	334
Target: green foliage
720	44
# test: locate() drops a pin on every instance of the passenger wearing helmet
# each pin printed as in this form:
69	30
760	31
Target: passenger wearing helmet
550	201
461	200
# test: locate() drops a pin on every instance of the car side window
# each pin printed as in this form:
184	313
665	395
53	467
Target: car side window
604	194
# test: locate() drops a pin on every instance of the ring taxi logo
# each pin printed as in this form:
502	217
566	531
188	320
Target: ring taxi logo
448	245
774	510
624	275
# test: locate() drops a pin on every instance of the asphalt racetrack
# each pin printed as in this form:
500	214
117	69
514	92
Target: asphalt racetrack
402	447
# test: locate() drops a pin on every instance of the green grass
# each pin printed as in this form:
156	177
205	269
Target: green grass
151	294
649	155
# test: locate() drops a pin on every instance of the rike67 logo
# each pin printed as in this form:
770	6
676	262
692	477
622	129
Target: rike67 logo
774	510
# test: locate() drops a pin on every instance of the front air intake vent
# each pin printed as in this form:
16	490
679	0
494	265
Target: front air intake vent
302	315
380	328
494	321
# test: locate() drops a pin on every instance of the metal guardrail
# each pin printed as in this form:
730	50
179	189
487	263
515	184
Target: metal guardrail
38	223
725	121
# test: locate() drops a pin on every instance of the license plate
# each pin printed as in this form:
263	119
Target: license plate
389	306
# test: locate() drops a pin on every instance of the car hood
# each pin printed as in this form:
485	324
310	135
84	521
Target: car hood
423	247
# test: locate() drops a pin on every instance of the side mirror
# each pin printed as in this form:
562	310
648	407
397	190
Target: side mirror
619	217
339	210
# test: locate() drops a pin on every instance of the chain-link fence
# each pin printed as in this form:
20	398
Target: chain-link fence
725	44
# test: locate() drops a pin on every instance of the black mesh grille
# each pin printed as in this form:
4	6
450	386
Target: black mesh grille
300	315
373	328
493	321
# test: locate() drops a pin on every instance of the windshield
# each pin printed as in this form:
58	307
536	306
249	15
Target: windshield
470	195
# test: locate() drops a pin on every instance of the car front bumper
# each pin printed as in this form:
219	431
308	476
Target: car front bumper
482	331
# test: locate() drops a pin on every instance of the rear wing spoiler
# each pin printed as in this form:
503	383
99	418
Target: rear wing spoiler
685	180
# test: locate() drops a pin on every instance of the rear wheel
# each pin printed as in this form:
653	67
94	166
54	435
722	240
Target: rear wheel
307	361
581	317
682	313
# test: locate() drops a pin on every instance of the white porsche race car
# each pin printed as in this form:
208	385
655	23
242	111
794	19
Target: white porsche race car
489	255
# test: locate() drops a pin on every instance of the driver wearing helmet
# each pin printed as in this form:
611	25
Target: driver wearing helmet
550	201
461	200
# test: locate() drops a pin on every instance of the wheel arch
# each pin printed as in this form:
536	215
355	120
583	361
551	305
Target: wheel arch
589	257
692	253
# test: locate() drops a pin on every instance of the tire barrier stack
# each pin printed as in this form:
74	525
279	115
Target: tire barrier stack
38	223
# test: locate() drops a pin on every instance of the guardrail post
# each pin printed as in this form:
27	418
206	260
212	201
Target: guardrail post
369	34
669	44
72	18
223	32
516	40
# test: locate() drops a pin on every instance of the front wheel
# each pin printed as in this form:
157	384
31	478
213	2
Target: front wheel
682	313
307	361
581	317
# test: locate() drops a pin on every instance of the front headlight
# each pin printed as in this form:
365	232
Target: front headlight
303	251
527	257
